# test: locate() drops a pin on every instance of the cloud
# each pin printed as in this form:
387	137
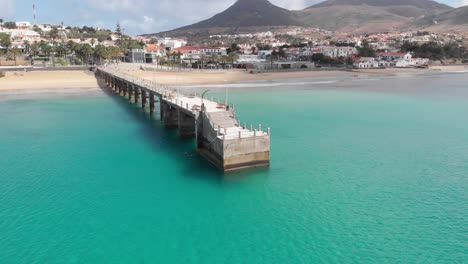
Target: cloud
461	3
149	16
136	16
7	10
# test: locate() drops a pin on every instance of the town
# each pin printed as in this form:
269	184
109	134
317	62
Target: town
292	48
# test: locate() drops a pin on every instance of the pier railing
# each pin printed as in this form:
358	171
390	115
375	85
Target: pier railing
172	95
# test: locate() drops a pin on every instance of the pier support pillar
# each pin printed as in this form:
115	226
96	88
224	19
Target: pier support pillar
143	99
161	108
170	116
152	106
130	92
186	125
125	88
136	94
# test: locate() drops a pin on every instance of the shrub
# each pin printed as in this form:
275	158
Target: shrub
2	74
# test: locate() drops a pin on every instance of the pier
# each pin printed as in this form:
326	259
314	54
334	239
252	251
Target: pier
221	138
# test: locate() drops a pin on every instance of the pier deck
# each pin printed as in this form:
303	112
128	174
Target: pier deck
221	138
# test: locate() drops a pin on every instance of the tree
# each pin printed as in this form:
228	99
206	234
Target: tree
14	53
235	47
37	29
224	59
232	57
202	60
214	58
349	61
54	33
34	50
5	40
9	25
118	31
365	50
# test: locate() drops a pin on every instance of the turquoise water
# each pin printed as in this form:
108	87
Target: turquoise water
357	176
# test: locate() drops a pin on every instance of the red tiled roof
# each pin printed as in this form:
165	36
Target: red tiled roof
391	54
153	47
186	49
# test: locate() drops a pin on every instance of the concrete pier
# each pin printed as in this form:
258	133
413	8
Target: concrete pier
221	138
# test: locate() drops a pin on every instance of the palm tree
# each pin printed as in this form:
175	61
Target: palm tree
34	49
233	57
214	58
15	52
224	59
203	60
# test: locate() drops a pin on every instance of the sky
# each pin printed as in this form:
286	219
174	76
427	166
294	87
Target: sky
135	16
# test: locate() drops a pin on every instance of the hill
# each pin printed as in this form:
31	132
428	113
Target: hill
369	15
355	16
244	15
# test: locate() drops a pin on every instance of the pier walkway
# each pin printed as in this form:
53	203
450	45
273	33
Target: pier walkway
221	138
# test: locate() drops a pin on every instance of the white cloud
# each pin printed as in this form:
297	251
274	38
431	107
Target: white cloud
149	16
461	3
141	16
7	9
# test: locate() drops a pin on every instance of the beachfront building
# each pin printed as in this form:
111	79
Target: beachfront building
336	52
136	56
366	63
394	56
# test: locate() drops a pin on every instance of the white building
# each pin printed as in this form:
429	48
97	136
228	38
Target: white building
336	52
393	56
367	63
23	25
172	43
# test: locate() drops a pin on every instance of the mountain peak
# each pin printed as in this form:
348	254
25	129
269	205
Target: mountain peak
250	13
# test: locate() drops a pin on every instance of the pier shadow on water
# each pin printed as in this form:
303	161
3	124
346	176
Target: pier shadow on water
168	141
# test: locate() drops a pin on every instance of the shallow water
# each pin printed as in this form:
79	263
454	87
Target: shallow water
370	171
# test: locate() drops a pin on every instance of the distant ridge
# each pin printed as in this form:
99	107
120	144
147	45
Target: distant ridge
354	16
453	20
369	15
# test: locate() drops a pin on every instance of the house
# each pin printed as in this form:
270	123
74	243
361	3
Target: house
366	63
336	52
155	50
23	25
392	56
172	43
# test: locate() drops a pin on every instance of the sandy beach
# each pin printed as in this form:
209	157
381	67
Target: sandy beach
85	80
51	80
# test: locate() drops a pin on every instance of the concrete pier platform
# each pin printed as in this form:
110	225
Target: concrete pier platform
221	139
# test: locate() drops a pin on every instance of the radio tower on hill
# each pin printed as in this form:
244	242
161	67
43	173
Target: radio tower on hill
34	14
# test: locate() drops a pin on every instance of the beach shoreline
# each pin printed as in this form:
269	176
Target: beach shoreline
76	82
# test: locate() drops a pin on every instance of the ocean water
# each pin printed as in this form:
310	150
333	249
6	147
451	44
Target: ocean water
364	170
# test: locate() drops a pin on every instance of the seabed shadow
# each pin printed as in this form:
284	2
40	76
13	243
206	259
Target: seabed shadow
167	140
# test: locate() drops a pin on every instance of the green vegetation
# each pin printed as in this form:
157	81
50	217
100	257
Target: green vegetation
2	74
9	25
436	51
365	50
5	41
14	54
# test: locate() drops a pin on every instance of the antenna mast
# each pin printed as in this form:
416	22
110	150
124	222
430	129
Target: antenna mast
34	14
